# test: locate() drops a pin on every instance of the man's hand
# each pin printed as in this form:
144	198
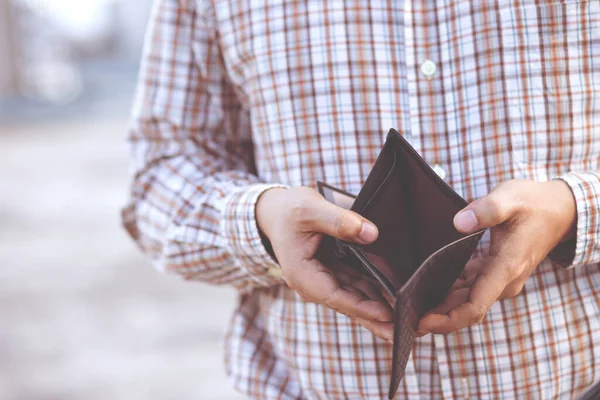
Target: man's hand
528	219
294	220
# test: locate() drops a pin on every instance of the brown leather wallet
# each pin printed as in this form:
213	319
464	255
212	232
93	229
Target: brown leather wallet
418	254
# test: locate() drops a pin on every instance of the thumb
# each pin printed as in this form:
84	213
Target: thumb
343	224
488	211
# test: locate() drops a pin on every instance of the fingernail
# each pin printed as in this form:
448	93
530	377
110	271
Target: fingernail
465	221
368	232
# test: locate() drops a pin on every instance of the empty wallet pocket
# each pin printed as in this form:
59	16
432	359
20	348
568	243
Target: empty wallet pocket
381	173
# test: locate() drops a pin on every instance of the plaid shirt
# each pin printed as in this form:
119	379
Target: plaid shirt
238	96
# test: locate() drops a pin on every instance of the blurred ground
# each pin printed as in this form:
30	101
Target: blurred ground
82	314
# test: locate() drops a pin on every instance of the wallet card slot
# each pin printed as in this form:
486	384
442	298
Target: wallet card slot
431	202
391	255
371	184
378	190
422	164
392	252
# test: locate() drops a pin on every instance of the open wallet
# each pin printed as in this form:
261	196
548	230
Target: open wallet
419	254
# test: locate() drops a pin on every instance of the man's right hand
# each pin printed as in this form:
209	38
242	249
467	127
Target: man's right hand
294	220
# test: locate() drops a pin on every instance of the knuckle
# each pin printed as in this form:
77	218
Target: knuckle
512	271
331	301
515	269
333	307
513	290
477	315
520	204
344	226
303	296
291	284
300	209
495	209
512	197
531	261
340	222
288	278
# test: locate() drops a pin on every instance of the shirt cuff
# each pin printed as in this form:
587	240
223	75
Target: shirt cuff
585	247
243	239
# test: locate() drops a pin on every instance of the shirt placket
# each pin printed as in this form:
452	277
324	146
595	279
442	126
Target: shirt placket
433	122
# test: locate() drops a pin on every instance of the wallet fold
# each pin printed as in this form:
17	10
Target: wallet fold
418	254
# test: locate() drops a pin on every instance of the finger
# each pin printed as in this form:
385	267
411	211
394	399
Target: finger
318	284
488	211
454	299
355	282
383	330
473	268
344	277
437	320
352	302
361	284
327	218
370	290
514	288
469	274
367	294
457	295
486	289
461	283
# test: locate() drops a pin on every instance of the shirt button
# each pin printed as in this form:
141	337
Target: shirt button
275	272
440	171
428	68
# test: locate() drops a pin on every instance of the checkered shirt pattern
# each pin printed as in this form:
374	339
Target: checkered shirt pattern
239	96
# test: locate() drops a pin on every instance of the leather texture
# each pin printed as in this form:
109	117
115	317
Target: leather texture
418	254
593	393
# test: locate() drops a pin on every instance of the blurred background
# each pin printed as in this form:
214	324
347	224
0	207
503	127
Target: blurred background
82	314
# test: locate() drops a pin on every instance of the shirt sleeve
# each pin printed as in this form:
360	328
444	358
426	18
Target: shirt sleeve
584	248
193	196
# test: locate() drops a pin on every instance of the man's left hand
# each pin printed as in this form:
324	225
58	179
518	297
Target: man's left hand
527	220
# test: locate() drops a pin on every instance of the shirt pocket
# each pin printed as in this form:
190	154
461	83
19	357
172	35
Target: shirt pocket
551	60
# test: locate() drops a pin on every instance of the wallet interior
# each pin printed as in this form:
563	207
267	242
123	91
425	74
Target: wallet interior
413	209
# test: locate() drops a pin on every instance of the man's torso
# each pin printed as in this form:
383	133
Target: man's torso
485	91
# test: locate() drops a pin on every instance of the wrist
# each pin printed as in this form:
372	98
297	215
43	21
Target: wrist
266	205
565	203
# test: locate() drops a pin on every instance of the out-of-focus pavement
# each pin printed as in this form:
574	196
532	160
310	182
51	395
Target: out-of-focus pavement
82	314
